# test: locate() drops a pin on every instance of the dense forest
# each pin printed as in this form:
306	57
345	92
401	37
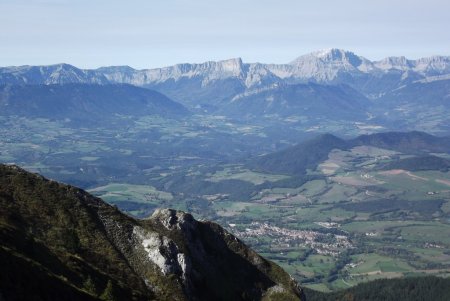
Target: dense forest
407	289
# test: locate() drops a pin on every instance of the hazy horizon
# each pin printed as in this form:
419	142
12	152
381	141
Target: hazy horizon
143	34
201	62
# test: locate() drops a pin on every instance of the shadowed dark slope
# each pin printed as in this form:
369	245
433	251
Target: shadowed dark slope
295	160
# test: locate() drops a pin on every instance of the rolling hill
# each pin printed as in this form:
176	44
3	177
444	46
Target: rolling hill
85	102
295	160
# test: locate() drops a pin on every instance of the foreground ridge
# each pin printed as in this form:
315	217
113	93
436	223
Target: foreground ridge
59	242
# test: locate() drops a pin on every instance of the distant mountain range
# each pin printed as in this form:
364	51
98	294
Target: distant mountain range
333	84
332	66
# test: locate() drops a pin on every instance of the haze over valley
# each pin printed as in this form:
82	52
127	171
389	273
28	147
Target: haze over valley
333	166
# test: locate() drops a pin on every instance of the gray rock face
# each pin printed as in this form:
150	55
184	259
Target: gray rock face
196	259
326	66
161	250
53	74
172	219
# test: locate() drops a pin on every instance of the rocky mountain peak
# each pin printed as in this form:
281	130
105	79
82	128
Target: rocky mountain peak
173	219
326	65
233	65
433	65
110	69
332	55
393	62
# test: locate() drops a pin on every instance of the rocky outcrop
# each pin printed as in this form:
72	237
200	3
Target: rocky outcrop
206	261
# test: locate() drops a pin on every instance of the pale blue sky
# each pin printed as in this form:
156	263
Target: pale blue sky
147	33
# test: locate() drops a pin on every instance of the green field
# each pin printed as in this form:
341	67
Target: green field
139	193
238	173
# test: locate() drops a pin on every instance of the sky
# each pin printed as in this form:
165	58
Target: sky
158	33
